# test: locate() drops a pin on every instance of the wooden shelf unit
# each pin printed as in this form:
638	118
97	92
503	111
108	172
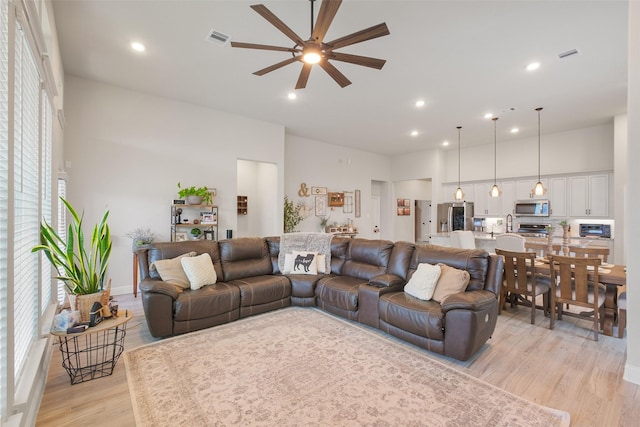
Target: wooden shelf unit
242	205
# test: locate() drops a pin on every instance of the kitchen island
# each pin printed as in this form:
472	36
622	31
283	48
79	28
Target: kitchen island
487	241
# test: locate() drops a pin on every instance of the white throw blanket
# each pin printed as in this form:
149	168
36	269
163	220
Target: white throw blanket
310	242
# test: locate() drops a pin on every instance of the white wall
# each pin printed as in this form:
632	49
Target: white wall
580	150
415	189
258	181
318	164
128	150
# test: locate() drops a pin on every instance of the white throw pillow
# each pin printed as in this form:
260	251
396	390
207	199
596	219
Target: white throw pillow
321	263
451	281
423	281
199	270
304	263
171	271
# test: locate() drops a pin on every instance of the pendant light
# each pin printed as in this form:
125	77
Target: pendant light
459	194
495	190
539	189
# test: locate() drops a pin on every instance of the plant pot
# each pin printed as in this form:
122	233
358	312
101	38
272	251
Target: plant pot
83	303
194	200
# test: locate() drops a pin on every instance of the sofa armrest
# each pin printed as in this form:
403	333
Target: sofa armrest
386	280
477	300
159	287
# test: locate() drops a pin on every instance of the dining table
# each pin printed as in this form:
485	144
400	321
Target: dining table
612	276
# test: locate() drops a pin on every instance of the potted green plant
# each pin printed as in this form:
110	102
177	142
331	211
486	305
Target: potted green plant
324	220
140	237
292	215
82	270
196	233
195	195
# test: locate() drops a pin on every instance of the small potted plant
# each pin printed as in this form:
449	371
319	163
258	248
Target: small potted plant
140	237
292	215
195	195
324	220
196	233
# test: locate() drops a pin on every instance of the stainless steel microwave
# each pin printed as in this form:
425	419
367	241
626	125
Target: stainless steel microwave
532	208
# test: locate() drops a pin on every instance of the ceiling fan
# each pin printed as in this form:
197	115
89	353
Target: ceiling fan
315	50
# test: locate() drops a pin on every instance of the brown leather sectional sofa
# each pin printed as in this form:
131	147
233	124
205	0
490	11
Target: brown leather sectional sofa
365	285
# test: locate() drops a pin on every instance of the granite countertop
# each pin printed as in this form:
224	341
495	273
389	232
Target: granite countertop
483	235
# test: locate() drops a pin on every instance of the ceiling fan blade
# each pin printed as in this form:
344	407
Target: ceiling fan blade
360	36
336	75
365	61
328	10
275	66
264	47
276	22
304	76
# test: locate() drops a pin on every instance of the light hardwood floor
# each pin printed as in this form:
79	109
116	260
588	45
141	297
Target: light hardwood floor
563	369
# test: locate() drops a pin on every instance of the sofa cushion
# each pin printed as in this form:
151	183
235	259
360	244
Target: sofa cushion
451	281
475	261
244	257
421	318
367	258
199	270
259	290
206	302
339	291
171	270
423	281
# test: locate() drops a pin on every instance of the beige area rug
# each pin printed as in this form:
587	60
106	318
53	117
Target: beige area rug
303	367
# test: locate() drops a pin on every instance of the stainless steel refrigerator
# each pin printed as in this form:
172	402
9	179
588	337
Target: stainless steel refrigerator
455	216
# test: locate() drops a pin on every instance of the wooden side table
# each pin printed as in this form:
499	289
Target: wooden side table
94	352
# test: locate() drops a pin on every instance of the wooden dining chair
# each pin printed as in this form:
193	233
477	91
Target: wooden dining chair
541	248
520	279
572	286
622	314
590	251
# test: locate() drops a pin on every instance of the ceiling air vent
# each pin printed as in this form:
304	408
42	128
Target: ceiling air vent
567	53
217	37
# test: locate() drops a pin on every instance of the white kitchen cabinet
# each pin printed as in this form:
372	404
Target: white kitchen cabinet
508	197
484	204
589	196
524	187
557	194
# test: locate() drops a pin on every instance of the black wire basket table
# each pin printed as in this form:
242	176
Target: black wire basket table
94	352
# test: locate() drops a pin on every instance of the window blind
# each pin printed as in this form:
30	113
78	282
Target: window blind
62	229
45	194
4	180
26	200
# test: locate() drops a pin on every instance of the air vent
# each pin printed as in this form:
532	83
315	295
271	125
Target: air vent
567	53
217	37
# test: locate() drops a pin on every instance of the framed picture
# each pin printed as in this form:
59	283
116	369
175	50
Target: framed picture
181	237
207	218
400	203
407	203
319	191
336	200
212	191
209	235
348	202
407	211
357	203
400	211
321	206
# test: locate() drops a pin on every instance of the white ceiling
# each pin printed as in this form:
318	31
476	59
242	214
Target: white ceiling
464	58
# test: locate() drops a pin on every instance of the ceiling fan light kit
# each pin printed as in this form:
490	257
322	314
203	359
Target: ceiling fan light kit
315	50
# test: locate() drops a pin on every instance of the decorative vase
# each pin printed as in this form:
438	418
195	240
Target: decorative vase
194	200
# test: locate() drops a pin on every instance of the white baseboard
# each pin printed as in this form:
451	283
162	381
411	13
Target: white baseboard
122	290
631	373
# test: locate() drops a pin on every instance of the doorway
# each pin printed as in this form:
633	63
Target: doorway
423	221
258	182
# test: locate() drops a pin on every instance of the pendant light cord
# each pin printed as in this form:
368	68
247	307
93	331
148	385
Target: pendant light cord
495	152
538	110
459	127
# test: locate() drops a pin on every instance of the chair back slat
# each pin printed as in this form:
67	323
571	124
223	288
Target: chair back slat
590	252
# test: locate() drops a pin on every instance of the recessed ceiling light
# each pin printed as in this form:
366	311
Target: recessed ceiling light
137	46
445	143
292	95
515	130
420	103
533	66
414	133
488	115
